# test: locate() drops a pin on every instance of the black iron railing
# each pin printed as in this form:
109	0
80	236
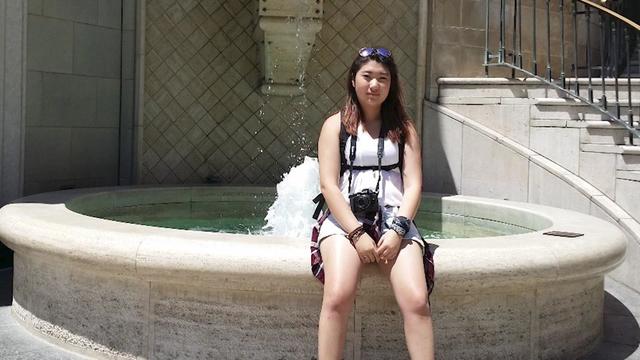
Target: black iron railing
616	38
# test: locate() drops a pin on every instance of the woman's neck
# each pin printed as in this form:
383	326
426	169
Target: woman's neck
371	121
371	115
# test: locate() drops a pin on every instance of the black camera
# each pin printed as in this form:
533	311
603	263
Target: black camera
365	201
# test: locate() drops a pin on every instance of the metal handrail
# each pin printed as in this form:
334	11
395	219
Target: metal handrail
614	30
612	13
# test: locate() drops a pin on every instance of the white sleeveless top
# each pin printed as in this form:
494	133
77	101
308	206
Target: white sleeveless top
391	189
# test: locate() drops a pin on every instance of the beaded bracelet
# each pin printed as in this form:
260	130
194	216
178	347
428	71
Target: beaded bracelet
355	234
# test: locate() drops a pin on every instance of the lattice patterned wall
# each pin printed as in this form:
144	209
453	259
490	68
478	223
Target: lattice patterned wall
204	117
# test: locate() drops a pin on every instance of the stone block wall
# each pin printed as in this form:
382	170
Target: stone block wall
12	57
76	78
205	119
458	38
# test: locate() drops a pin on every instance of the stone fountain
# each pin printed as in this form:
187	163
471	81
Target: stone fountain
286	33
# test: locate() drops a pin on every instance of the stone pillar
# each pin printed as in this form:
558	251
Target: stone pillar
12	97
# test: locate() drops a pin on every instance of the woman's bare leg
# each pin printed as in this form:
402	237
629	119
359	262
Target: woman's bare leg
341	272
406	274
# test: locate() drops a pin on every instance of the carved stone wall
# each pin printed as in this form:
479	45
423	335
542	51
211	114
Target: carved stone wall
205	119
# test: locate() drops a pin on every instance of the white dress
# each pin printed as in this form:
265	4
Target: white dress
391	187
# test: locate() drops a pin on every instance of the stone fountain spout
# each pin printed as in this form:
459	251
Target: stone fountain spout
286	33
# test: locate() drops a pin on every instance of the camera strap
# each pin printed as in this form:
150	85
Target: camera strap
380	155
352	157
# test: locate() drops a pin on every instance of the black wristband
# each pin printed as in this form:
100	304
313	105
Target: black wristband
401	225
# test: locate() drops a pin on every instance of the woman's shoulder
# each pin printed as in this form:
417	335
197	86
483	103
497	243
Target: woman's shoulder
406	131
330	132
332	123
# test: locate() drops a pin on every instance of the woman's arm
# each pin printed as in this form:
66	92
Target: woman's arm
329	158
411	175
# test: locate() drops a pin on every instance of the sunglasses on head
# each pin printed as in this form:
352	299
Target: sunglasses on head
381	52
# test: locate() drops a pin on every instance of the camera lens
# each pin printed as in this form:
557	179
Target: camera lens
364	201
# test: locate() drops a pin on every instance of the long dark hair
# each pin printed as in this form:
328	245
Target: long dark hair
395	120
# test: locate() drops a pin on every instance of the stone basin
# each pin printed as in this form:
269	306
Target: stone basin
111	289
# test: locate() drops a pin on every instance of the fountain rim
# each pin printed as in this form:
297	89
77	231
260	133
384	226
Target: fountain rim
42	225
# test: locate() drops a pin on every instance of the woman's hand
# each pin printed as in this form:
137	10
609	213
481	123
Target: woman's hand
366	249
389	246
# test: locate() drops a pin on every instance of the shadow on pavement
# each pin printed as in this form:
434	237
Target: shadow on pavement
621	332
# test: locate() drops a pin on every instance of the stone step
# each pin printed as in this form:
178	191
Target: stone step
571	109
633	175
628	162
574	102
494	88
504	100
497	88
596	129
591	131
579	124
613	134
479	100
601	148
609	85
455	100
629	150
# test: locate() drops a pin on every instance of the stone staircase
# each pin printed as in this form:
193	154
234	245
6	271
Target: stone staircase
568	132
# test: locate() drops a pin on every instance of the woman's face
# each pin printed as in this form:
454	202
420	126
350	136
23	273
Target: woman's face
372	83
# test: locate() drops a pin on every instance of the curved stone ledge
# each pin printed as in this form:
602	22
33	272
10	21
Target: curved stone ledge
152	253
139	290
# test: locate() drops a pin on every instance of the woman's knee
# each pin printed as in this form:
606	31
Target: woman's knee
339	299
415	303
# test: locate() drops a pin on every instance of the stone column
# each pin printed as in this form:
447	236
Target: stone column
12	97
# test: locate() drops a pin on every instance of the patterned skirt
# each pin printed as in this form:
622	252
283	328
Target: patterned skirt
374	230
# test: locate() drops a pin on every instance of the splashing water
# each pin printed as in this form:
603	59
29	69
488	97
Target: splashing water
290	215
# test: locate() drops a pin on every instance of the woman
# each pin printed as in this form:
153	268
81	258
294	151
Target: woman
349	237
